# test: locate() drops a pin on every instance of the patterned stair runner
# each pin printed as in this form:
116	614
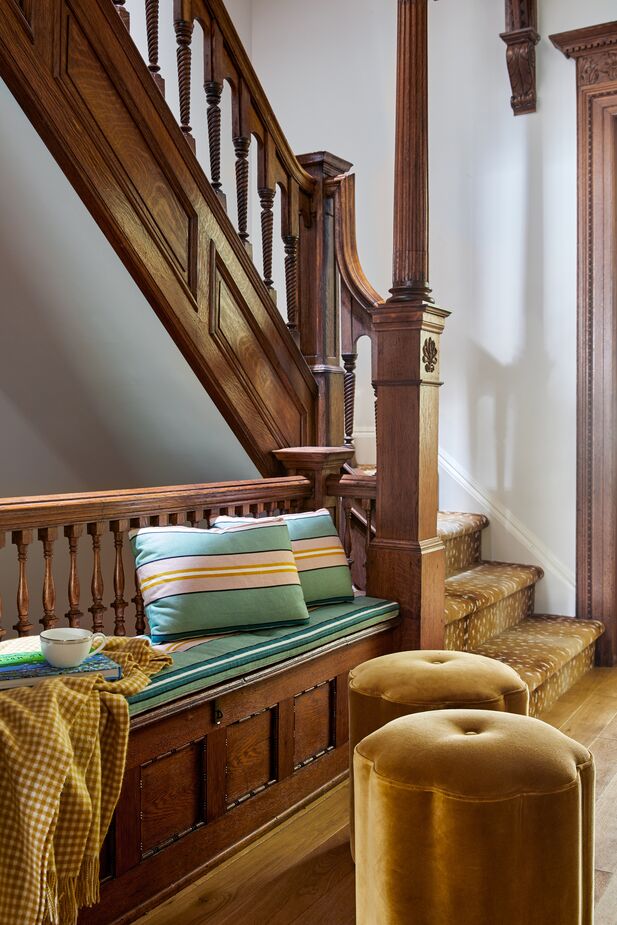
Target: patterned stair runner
489	610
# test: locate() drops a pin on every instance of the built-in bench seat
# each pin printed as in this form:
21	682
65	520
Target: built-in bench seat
200	665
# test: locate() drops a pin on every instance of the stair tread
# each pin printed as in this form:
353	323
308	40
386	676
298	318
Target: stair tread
452	524
484	584
541	645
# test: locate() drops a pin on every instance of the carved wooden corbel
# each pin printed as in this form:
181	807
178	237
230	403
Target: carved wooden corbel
521	37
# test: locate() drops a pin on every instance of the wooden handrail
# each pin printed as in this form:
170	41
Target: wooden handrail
352	275
353	486
88	519
232	63
82	508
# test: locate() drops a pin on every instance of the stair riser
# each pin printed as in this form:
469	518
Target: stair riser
470	632
546	694
462	552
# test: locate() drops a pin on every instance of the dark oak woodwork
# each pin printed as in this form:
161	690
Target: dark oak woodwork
82	82
251	752
314	723
73	615
595	51
184	806
172	790
152	35
358	298
22	539
115	512
184	34
406	558
521	37
119	529
48	536
266	198
318	295
241	146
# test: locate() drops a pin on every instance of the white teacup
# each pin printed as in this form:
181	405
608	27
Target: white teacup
68	647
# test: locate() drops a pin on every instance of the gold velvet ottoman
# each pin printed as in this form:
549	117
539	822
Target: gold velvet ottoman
395	685
471	817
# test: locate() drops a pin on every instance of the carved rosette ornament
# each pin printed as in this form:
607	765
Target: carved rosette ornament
521	38
429	355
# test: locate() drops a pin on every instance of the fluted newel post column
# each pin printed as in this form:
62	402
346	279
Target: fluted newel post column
407	559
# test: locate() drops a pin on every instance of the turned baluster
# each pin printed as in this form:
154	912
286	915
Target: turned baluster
2	630
140	618
184	34
241	147
291	280
152	31
74	614
349	392
123	13
348	510
47	536
266	198
22	539
98	608
214	91
368	505
119	605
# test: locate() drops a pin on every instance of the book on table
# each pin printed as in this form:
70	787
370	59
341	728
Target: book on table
27	668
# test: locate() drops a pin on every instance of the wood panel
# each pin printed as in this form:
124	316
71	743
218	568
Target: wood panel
595	52
314	730
87	91
250	756
172	795
260	885
242	757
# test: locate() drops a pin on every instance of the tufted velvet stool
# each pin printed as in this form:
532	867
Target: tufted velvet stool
475	818
395	685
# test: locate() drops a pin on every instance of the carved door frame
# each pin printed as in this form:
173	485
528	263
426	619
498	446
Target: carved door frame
595	51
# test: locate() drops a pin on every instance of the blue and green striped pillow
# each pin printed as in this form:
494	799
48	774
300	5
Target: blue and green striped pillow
195	580
320	558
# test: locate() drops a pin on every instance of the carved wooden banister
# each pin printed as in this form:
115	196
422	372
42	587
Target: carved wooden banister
18	514
102	520
358	297
228	61
358	494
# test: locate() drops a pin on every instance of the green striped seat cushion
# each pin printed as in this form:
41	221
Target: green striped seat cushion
202	663
195	580
319	554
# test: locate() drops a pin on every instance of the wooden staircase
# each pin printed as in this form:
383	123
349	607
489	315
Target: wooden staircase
490	610
285	383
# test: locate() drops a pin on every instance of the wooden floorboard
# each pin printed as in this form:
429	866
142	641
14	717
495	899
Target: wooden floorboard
301	873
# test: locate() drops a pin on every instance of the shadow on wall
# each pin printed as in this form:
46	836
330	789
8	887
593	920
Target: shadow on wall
501	396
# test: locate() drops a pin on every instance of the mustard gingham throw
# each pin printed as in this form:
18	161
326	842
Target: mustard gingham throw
62	754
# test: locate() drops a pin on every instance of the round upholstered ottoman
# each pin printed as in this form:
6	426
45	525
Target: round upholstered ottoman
476	818
395	685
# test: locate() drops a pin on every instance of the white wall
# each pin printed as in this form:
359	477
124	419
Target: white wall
503	239
93	392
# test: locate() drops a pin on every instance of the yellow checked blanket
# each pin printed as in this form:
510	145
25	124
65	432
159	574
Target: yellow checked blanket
62	754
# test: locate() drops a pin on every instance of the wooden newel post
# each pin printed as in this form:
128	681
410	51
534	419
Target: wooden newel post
318	296
316	463
407	559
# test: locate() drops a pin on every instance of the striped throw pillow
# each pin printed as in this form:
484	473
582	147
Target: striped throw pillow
319	555
193	580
